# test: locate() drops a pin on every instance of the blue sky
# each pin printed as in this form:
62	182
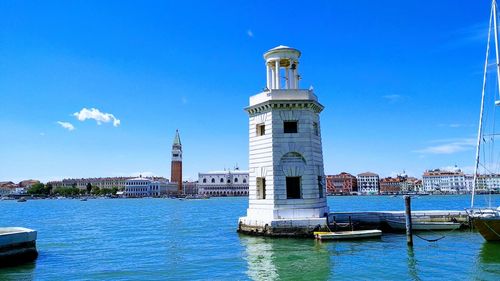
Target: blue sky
400	82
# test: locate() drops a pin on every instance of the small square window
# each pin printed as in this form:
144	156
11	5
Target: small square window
290	127
261	129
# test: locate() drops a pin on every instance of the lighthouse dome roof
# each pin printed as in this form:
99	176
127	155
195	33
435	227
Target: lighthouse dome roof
282	51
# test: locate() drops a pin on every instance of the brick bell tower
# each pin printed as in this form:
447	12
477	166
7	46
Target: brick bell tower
176	166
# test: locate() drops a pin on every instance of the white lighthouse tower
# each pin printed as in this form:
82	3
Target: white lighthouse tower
287	194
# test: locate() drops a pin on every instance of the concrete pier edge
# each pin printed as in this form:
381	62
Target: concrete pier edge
17	246
283	228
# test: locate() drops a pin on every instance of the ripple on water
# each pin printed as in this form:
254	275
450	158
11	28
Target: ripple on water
164	239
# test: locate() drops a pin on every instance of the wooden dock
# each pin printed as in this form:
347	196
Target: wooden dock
378	219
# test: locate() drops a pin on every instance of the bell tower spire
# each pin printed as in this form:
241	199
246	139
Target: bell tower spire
176	164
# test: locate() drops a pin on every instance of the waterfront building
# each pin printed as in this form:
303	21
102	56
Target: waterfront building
19	191
144	187
343	183
368	183
469	180
489	182
190	188
485	183
11	188
402	183
410	184
176	164
419	187
8	184
447	181
102	183
287	192
391	185
4	191
27	184
223	183
6	187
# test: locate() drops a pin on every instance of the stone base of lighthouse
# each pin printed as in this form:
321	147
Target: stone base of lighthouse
298	223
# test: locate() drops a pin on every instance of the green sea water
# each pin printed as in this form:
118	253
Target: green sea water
168	239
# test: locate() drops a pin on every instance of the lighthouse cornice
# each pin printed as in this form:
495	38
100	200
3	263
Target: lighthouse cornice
270	105
284	99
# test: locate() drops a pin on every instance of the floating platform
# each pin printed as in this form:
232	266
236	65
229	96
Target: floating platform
381	219
424	225
17	245
347	235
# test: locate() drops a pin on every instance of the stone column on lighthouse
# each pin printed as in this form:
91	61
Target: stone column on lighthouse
287	192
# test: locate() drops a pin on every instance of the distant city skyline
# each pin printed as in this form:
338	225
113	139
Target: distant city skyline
98	93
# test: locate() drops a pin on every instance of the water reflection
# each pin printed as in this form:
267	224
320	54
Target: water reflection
22	272
490	253
412	264
285	259
488	262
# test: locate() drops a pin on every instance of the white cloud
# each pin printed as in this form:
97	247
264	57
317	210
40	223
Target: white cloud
250	33
450	147
98	116
455	125
66	125
477	32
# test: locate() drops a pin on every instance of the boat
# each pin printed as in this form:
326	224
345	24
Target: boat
347	235
17	245
487	220
196	197
488	225
424	225
22	199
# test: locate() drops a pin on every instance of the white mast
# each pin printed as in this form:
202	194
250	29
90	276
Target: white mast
480	129
496	43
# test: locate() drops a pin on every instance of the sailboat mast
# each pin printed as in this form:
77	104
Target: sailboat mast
496	43
480	128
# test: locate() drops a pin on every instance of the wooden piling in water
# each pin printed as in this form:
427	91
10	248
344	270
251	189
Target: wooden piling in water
409	232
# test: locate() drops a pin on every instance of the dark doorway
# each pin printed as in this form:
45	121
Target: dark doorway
293	187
